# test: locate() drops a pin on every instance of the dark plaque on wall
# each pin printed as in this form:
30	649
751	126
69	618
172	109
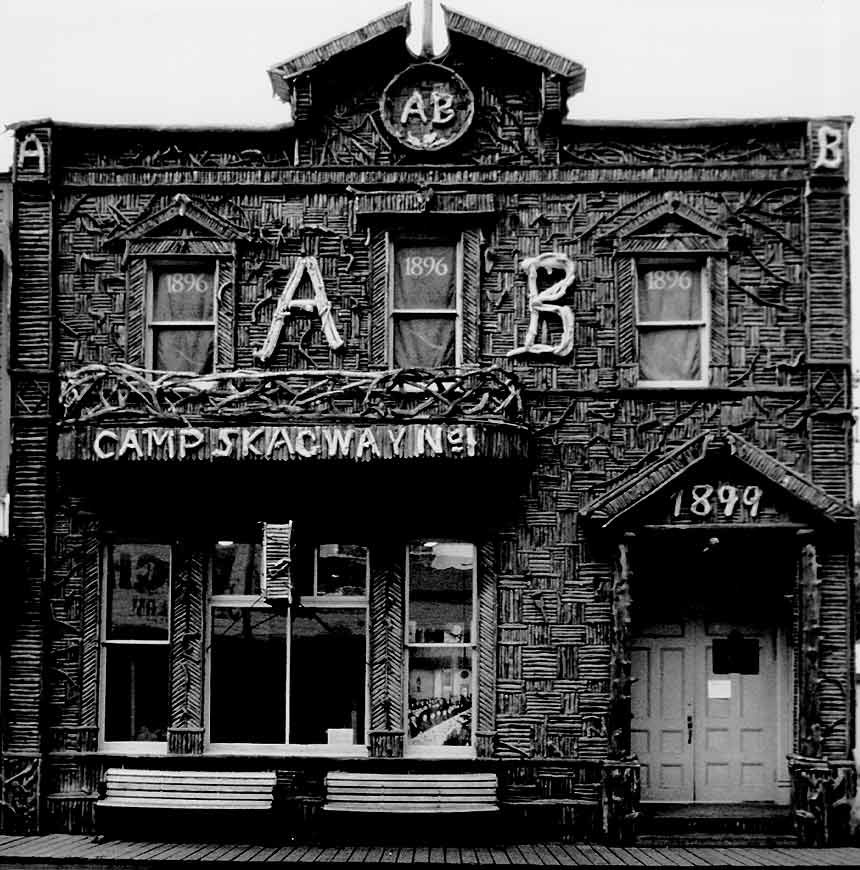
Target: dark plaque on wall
427	107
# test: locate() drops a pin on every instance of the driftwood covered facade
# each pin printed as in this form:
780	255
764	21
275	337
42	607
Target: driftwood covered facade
435	431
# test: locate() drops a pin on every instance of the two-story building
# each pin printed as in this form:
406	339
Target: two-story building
434	430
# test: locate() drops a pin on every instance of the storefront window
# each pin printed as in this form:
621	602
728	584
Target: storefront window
296	676
440	645
182	324
136	638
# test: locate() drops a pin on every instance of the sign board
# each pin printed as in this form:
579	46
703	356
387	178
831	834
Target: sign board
427	107
273	443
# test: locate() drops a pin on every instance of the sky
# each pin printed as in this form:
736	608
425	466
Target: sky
189	62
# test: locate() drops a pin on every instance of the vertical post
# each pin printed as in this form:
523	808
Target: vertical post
427	29
386	651
620	714
810	736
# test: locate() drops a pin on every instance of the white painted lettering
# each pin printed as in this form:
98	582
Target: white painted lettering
98	444
226	442
367	440
471	441
338	441
306	443
413	106
443	113
397	435
829	148
130	442
189	439
249	436
429	436
280	438
155	438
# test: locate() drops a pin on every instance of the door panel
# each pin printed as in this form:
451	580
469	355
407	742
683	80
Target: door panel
659	728
730	753
735	737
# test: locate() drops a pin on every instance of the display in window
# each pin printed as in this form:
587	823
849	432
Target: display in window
248	701
139	584
440	697
328	653
237	567
341	569
136	677
440	592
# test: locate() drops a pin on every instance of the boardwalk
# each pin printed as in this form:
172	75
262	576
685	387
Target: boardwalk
67	850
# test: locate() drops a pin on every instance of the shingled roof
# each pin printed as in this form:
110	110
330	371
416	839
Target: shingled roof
281	73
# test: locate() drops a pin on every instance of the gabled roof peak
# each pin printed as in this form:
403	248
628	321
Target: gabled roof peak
456	22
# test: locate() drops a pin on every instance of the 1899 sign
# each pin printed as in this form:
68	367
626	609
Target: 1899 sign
726	500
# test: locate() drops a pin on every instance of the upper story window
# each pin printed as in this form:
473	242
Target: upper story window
425	329
672	321
181	324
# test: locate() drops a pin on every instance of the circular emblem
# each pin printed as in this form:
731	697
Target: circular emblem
427	107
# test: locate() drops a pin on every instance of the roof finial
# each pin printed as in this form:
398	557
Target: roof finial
427	29
428	23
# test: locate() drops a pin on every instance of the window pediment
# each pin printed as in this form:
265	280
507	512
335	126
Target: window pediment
182	218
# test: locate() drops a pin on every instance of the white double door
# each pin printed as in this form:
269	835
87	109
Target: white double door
704	736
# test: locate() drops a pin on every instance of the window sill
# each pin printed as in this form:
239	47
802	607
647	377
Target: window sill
440	753
134	747
312	750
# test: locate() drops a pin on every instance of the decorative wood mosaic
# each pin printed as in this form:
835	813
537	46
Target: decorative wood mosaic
760	206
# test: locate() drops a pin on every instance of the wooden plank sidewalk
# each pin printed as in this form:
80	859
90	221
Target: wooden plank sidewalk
70	850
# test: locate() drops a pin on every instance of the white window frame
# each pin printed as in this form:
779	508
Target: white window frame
442	752
138	747
178	264
395	240
703	324
257	602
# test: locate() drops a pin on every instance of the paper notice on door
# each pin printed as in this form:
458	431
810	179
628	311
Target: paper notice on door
719	688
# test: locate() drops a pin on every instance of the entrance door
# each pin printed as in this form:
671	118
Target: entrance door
704	712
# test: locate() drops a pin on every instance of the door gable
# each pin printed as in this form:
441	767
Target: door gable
716	478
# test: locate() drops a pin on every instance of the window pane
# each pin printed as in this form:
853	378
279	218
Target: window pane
136	692
183	295
670	354
425	276
183	350
440	697
670	294
341	569
328	676
236	569
440	592
423	342
248	681
139	583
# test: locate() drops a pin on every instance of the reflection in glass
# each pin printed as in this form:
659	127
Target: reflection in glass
440	592
136	702
327	677
440	697
139	584
248	680
237	568
341	569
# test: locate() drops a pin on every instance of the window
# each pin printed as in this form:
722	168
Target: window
182	318
440	647
136	635
296	676
425	329
672	317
